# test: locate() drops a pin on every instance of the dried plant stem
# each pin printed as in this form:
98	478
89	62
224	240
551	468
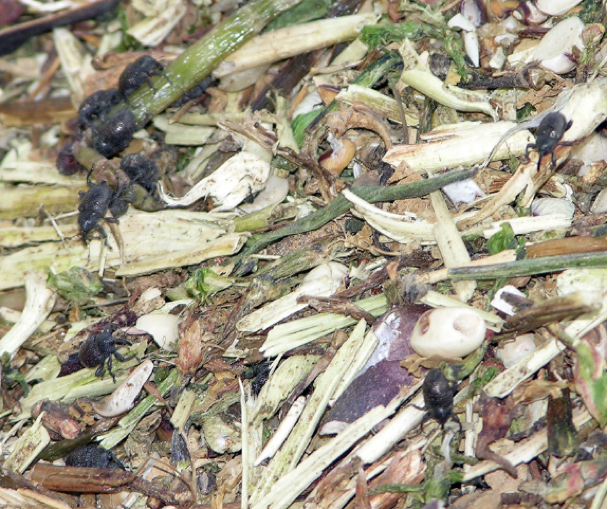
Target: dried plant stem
525	451
340	205
451	246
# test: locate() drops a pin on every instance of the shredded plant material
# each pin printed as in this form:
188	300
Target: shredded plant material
301	253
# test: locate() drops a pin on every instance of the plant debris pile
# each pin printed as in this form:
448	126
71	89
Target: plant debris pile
303	253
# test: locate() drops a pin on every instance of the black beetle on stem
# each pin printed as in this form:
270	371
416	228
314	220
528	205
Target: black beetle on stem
115	134
95	107
137	73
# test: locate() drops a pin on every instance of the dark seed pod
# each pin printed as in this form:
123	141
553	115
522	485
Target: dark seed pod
115	135
180	456
438	396
92	456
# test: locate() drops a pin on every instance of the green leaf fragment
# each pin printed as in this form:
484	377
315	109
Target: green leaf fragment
204	283
386	32
590	381
300	123
502	240
76	285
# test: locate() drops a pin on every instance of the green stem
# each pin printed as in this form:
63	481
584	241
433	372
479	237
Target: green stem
531	266
199	60
341	205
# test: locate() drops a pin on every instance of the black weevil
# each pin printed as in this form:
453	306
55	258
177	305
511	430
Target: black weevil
137	73
95	107
548	134
115	134
142	171
95	203
438	395
194	93
92	456
100	347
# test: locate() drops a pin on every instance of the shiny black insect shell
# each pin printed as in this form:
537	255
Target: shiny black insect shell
438	395
92	456
98	349
95	107
95	203
137	73
115	134
194	93
142	171
548	135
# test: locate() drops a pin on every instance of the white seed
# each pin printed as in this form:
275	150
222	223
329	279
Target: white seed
448	333
459	21
471	45
514	351
162	327
557	43
556	7
552	206
122	399
498	59
599	204
470	10
465	191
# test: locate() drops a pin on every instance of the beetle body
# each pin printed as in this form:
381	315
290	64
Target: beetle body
95	203
142	171
438	396
93	206
115	135
548	135
92	456
99	349
137	73
95	107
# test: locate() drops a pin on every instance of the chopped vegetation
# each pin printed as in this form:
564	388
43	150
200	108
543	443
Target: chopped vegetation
303	253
